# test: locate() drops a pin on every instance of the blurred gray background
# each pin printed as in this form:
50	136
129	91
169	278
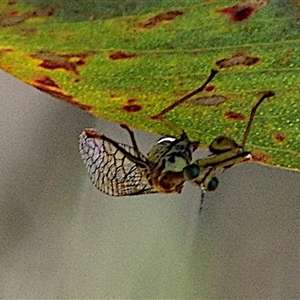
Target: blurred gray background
61	238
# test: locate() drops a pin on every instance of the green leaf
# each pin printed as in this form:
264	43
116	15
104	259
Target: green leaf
125	61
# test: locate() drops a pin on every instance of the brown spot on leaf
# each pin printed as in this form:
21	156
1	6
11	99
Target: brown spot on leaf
234	116
155	117
27	31
6	50
131	106
14	13
12	18
49	86
279	136
242	11
209	88
259	156
3	65
238	13
286	57
213	100
43	11
69	62
240	58
131	101
160	18
120	55
46	81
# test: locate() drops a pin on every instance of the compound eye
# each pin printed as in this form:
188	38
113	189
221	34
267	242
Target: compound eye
191	171
213	184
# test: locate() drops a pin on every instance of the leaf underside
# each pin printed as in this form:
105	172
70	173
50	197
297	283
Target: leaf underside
125	61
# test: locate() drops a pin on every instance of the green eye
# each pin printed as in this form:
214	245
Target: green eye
213	184
191	171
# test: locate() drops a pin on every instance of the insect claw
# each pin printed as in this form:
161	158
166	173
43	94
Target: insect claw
269	94
125	126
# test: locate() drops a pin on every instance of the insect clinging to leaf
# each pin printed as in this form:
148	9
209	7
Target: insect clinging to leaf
119	169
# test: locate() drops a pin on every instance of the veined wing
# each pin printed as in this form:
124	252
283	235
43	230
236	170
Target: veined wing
115	169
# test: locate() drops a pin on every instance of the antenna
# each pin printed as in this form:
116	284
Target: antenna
252	115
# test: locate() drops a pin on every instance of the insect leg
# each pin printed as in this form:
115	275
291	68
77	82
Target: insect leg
186	97
252	115
137	160
133	141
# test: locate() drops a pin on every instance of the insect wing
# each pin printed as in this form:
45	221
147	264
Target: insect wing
111	171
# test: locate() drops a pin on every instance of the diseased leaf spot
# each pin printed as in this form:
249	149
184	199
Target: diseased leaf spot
242	11
6	50
69	62
234	116
120	55
287	55
237	13
209	88
14	17
4	66
115	96
14	13
43	11
49	86
155	117
260	156
46	81
279	136
240	58
131	101
213	100
160	18
131	106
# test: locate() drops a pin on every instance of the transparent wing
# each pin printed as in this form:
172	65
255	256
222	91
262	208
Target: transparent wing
111	171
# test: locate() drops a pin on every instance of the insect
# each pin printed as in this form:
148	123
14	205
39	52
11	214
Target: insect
119	169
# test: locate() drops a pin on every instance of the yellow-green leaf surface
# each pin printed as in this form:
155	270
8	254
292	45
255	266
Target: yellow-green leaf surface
127	60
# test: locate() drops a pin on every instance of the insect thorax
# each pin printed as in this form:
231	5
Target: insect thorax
169	157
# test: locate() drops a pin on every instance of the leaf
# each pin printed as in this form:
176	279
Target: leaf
125	61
